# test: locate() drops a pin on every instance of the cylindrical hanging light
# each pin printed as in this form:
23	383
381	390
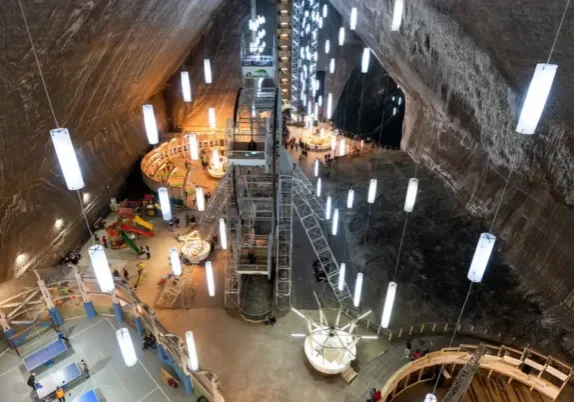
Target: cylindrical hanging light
365	60
329	105
223	233
327	46
333	142
335	227
67	158
207	71
536	98
350	199
328	208
164	203
209	278
342	146
372	191
389	301
353	23
341	281
430	398
318	189
397	15
394	111
101	268
150	124
320	101
186	86
358	290
211	117
481	257
325	9
316	114
215	158
199	198
332	66
400	101
341	36
175	261
320	22
193	362
316	167
411	194
126	346
193	149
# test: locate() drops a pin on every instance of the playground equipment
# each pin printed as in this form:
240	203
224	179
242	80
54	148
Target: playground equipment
195	249
122	232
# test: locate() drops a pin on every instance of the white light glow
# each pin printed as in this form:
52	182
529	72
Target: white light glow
341	36
86	198
199	198
394	111
215	161
372	191
21	258
222	233
209	278
350	199
101	268
536	98
397	15
332	66
335	227
150	124
430	398
400	101
320	22
328	208
175	261
365	60
192	362
298	335
342	146
333	142
186	86
329	105
211	118
389	301
207	71
325	10
320	101
411	194
126	346
316	167
193	150
164	203
327	46
358	290
341	281
318	189
59	224
67	158
353	23
481	257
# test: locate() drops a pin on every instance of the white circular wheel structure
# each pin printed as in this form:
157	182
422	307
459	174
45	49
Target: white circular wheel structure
330	350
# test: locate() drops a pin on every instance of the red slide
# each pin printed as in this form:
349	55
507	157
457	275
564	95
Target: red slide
138	231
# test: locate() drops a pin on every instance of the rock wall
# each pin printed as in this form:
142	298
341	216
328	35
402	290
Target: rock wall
101	61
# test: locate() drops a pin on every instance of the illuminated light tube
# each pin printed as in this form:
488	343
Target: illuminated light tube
342	146
481	257
207	71
329	105
186	86
164	203
101	268
209	278
372	191
341	36
193	149
318	189
150	124
211	117
328	208
332	66
215	159
350	199
222	233
358	290
325	10
341	281
411	194
126	346
333	143
353	23
327	46
389	302
430	398
335	227
366	59
199	199
320	22
316	114
536	98
316	167
67	158
320	101
192	361
397	15
394	111
175	261
400	101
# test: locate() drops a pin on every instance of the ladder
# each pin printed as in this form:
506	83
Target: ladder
284	242
214	209
464	378
175	293
308	190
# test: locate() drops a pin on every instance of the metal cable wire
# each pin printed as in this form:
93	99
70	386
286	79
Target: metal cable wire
558	31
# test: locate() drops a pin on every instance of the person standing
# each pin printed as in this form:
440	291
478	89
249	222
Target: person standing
170	225
32	381
84	367
147	252
105	241
126	274
408	347
61	394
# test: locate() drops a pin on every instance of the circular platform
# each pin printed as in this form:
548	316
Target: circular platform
195	249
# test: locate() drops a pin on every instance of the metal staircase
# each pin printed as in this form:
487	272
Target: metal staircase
284	242
215	208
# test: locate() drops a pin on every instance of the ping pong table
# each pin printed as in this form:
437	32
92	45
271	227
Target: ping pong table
89	396
63	377
44	355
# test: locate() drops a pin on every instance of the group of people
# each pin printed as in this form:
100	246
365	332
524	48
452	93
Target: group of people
149	341
417	354
190	220
375	395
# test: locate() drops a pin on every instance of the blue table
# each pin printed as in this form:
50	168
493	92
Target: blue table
44	355
89	396
63	377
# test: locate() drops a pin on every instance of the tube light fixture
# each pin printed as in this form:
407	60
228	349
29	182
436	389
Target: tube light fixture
536	98
335	227
397	15
215	158
411	194
366	59
101	268
394	111
316	167
328	208
126	346
327	46
342	146
186	86
400	101
430	398
372	191
199	198
192	362
298	335
358	290
150	124
211	118
67	158
320	101
318	189
333	142
341	281
389	301
175	261
332	66
193	149
350	199
207	71
320	22
222	234
341	36
164	203
209	278
353	23
481	257
329	105
316	114
325	10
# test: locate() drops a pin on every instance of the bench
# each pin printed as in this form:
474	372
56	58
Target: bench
168	379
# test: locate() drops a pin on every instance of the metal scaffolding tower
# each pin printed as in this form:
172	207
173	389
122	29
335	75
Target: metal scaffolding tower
284	242
176	293
214	209
464	378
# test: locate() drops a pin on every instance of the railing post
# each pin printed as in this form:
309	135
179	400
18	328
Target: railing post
411	330
433	327
8	331
422	328
88	305
118	311
54	313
